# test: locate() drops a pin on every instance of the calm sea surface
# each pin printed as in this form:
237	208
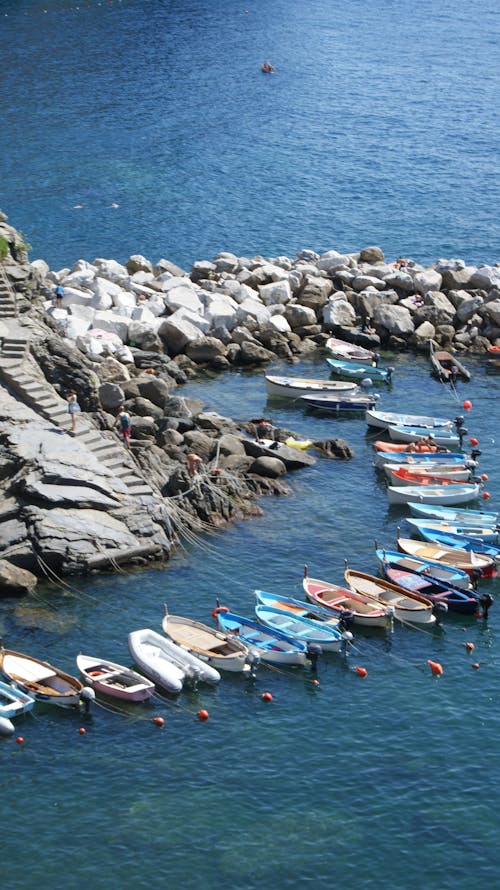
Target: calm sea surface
379	126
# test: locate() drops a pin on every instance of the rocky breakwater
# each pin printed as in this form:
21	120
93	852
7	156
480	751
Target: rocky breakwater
79	500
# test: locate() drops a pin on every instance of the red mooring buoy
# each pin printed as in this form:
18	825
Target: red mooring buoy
435	667
361	672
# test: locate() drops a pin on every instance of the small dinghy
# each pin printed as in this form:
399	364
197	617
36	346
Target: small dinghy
454	514
297	607
447	367
408	459
14	702
341	349
341	403
475	564
453	539
40	680
438	571
433	494
165	663
220	650
355	371
408	607
294	387
384	419
450	438
342	600
272	646
310	632
454	598
114	680
414	473
486	534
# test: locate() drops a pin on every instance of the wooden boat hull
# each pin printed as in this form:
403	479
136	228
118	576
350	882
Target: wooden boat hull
433	494
401	474
14	702
219	650
384	419
454	514
447	367
271	646
341	600
467	560
295	387
108	678
451	539
355	371
408	608
438	571
40	680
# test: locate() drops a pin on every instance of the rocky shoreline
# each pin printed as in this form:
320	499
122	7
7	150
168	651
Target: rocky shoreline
131	335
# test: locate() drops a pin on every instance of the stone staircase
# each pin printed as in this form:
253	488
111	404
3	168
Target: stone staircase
24	379
8	302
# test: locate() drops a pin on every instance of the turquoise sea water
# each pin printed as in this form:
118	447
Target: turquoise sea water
378	127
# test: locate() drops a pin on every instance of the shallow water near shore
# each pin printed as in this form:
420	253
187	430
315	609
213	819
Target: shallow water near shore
386	780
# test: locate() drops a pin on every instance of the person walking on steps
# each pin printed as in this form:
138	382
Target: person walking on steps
123	424
73	408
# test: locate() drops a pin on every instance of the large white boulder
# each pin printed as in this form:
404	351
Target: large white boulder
395	319
280	324
143	314
252	309
427	280
75	327
486	278
176	332
113	323
183	296
112	270
75	295
221	310
338	311
275	292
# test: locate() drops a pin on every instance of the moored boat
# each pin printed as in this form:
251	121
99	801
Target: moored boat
341	403
455	514
384	419
408	459
342	600
475	564
487	534
433	494
449	575
454	598
349	351
113	679
445	366
14	702
272	646
450	438
399	474
453	539
220	650
355	371
40	680
314	633
165	663
408	607
296	607
294	387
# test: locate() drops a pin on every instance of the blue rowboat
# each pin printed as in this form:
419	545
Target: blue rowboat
457	458
477	565
340	403
449	539
273	646
454	514
448	575
483	533
296	607
439	436
14	702
354	371
433	494
454	598
311	632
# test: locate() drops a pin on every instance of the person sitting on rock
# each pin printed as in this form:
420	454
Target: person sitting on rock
194	463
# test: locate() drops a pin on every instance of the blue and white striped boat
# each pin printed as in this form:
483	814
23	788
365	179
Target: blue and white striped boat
449	539
273	646
441	435
455	514
384	419
436	570
326	635
488	534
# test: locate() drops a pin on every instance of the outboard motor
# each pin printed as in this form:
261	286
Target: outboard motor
366	383
87	696
389	618
390	372
475	576
475	453
253	659
486	601
314	650
347	638
459	421
439	610
346	620
462	431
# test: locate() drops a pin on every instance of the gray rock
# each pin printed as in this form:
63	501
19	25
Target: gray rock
269	467
111	396
15	581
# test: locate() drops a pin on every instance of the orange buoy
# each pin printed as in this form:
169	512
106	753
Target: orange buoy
467	405
20	740
474	441
203	714
315	682
266	696
475	665
361	672
485	495
158	721
484	477
469	647
82	730
435	667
